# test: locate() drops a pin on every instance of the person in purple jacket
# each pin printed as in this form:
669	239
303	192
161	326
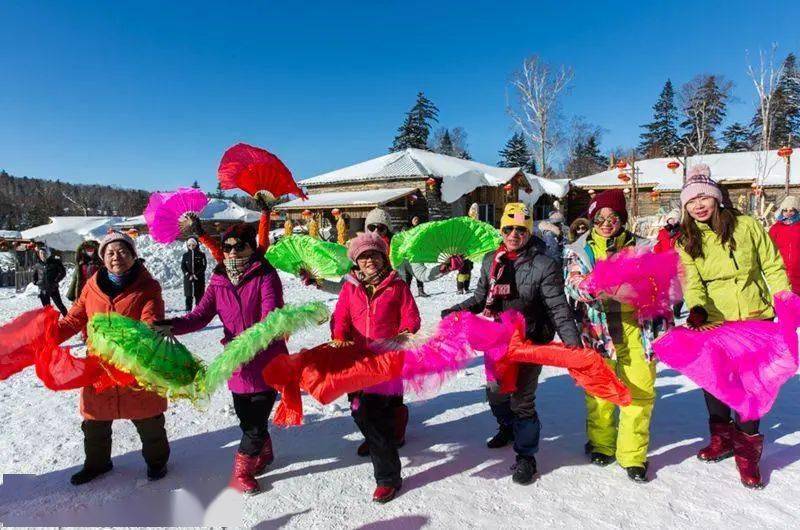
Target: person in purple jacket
243	290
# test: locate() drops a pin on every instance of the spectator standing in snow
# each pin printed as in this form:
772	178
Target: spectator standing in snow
670	232
124	286
518	275
193	265
732	270
47	275
579	226
87	262
243	290
785	233
376	304
613	330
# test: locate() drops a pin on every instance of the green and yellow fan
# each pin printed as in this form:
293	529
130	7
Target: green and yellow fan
301	254
438	241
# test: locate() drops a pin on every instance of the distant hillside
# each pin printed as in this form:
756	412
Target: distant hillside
27	202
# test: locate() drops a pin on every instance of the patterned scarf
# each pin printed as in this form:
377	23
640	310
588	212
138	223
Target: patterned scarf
235	267
498	291
788	220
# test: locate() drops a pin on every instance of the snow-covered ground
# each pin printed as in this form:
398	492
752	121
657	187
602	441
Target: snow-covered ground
451	479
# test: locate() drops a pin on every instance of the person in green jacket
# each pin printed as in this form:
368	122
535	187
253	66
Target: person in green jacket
732	269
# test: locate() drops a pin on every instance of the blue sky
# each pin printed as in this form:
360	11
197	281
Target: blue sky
149	94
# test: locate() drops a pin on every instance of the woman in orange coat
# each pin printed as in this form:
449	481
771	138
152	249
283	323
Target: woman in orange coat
123	286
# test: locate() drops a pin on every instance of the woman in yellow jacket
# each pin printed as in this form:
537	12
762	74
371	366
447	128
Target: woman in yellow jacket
732	270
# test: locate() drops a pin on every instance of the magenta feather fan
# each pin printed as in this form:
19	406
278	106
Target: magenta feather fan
164	211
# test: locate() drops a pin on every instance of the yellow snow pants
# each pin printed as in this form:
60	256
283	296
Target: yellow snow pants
628	442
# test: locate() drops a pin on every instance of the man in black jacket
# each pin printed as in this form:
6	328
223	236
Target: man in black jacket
47	274
520	276
193	266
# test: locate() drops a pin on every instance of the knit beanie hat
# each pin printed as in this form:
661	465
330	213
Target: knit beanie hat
789	203
364	242
614	199
114	237
699	182
516	214
379	216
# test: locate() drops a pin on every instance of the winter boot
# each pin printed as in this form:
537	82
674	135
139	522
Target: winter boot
747	450
242	479
156	473
596	458
504	436
638	473
87	474
721	445
524	470
363	449
265	457
400	424
384	494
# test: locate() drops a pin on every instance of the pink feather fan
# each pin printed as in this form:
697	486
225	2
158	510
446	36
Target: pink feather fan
165	210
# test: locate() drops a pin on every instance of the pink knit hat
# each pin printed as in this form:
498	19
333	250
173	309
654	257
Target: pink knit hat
699	182
115	236
364	242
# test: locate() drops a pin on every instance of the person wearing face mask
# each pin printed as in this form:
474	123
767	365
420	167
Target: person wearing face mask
732	270
87	262
669	233
48	271
243	290
122	285
613	330
193	265
518	275
375	304
785	233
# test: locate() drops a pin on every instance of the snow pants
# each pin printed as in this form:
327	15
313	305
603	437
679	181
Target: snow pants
97	441
375	416
628	441
519	409
253	411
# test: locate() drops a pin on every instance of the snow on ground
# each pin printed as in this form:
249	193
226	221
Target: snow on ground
451	479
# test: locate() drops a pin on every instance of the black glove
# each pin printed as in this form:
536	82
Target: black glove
446	312
697	317
163	327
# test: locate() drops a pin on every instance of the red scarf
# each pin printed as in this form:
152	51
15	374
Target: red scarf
498	291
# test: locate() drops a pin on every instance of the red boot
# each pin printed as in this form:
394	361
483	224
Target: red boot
242	479
400	423
384	494
747	450
721	446
264	458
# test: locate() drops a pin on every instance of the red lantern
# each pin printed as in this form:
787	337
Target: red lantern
306	213
431	182
508	187
785	152
622	164
673	166
624	177
654	195
336	212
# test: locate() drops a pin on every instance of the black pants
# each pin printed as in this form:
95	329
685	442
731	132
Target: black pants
420	285
720	412
374	414
97	441
193	290
518	410
55	296
253	411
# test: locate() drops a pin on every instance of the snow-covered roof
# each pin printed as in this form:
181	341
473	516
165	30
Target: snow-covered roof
10	234
347	198
725	167
411	163
66	233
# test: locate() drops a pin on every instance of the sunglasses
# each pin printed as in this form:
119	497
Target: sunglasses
239	246
611	219
521	230
377	228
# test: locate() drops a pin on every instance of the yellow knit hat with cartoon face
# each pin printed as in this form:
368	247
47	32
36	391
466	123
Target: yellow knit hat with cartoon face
516	214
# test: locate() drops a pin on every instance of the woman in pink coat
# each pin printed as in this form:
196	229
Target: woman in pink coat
243	290
375	304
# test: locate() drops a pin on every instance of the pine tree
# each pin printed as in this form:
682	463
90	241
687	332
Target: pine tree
416	126
516	154
445	145
661	136
196	185
585	158
737	138
786	105
705	100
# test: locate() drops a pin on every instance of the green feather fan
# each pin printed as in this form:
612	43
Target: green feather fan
437	241
320	259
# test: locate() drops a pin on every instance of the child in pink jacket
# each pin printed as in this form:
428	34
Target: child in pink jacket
375	304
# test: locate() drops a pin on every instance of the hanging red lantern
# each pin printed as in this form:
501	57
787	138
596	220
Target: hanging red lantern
785	152
622	164
508	188
673	166
336	212
624	177
431	182
306	213
654	195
